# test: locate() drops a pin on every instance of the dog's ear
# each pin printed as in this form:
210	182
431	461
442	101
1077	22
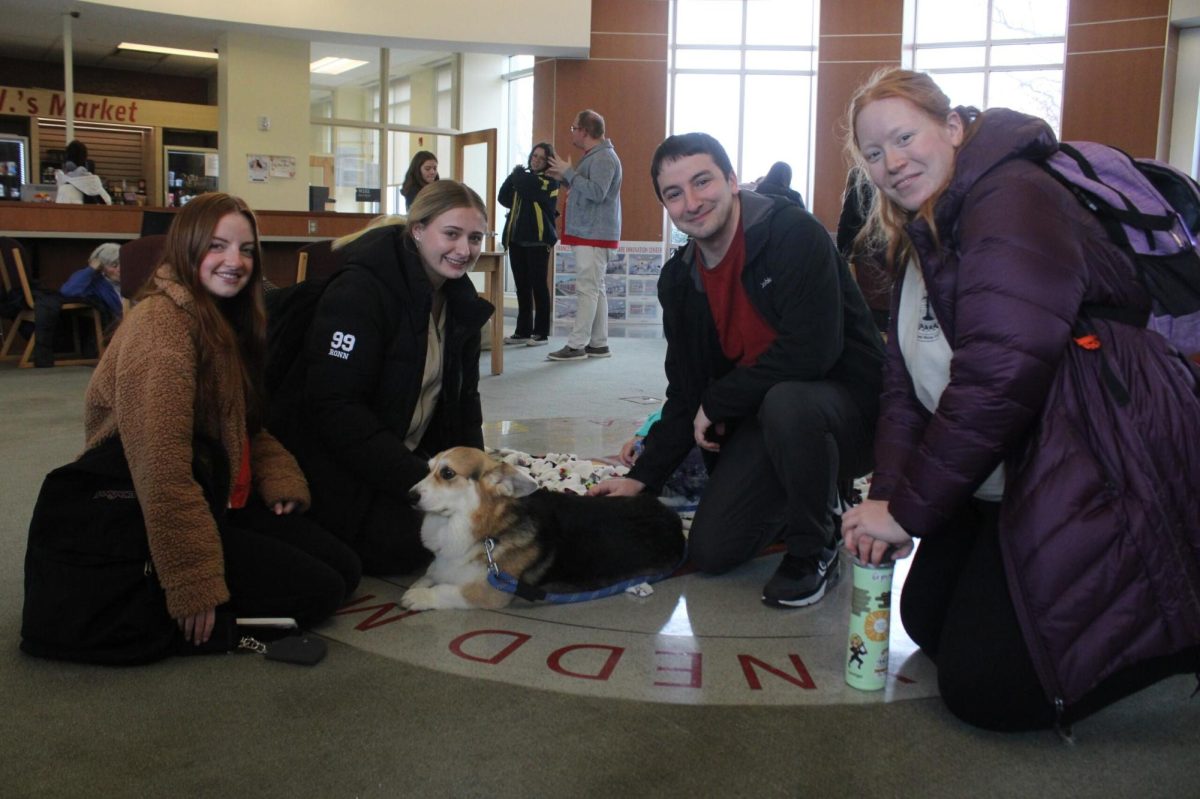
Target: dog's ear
510	481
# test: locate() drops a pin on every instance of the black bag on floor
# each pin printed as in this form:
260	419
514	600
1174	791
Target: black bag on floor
91	594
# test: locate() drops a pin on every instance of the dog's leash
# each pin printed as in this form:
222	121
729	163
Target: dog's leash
503	581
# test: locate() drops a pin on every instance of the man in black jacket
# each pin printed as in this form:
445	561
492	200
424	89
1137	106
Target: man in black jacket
774	369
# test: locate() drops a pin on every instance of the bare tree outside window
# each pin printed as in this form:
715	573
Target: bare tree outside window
991	53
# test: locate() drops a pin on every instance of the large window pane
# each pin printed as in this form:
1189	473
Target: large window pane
708	59
350	162
1037	92
352	93
708	22
780	22
951	20
1013	55
963	88
780	60
709	103
776	131
1027	19
931	58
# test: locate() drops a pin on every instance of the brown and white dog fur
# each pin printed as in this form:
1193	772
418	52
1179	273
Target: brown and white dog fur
546	538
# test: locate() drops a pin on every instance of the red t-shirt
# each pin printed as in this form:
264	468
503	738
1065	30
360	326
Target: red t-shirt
242	482
744	334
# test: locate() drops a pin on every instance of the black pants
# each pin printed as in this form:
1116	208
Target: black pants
51	338
387	537
529	266
777	476
284	565
957	607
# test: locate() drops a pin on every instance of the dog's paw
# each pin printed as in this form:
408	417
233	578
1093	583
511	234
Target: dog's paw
420	598
424	581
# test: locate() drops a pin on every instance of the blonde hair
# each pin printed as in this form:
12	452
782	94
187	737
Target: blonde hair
884	229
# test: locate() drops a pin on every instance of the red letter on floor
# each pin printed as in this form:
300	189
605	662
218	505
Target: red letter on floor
803	678
518	641
605	671
380	610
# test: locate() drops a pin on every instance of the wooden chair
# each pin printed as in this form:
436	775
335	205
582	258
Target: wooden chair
317	260
139	259
16	278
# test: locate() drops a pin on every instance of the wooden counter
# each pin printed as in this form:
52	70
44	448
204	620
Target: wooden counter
60	237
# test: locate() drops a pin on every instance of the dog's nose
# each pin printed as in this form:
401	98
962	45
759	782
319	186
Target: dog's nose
414	496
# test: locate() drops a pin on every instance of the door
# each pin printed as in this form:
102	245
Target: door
475	165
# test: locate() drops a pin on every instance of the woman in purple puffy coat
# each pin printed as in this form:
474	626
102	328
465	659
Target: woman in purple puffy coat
1059	564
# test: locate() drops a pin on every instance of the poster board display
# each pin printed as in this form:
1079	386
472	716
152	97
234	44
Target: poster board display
630	282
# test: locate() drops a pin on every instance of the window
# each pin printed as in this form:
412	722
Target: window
357	126
744	71
989	53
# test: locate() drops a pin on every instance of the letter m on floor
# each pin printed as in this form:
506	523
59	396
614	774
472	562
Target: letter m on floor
377	619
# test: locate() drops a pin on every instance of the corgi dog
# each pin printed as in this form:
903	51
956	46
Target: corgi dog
549	539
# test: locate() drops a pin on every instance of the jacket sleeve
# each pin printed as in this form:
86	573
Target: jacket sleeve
1020	281
670	439
504	195
529	186
79	282
155	389
346	348
807	300
276	473
597	184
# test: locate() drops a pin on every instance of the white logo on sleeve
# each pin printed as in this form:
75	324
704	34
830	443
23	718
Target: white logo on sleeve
341	345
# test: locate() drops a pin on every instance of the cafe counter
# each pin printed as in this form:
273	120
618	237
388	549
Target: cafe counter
60	237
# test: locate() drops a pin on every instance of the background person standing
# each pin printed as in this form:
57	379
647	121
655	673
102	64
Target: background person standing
592	227
529	235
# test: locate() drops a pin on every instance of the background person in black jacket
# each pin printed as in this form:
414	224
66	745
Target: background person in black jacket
529	236
774	369
391	373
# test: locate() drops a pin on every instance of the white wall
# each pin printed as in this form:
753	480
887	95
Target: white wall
1185	12
1182	153
561	28
263	76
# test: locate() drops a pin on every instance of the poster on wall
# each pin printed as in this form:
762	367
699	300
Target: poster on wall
630	283
258	167
283	166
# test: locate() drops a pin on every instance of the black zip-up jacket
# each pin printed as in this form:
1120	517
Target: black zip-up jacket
533	201
802	287
365	355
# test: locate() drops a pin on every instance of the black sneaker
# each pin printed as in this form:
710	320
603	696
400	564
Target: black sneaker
597	352
515	339
799	582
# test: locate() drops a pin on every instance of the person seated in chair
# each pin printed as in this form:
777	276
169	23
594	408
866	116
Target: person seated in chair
97	284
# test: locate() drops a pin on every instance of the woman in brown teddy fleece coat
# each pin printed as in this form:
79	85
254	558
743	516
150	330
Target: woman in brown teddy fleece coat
187	364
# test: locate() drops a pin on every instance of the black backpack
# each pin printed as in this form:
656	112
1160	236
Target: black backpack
91	591
290	312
